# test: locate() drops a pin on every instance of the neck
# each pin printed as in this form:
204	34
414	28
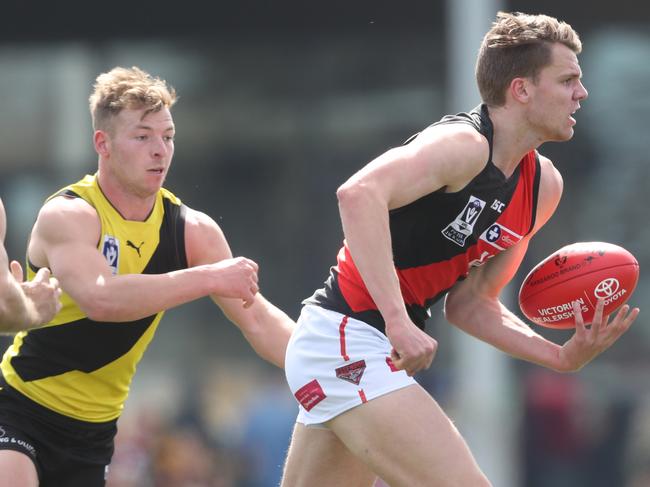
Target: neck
128	203
513	138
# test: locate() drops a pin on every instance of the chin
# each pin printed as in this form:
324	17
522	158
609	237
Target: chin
561	136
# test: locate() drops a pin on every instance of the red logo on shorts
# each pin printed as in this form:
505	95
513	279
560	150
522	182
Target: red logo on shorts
353	372
391	365
310	394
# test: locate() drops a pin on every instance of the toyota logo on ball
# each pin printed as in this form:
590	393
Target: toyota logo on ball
606	288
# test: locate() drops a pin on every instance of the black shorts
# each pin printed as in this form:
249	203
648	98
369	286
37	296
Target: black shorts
66	452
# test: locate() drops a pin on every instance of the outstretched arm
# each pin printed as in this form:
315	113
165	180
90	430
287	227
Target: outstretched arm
65	239
474	306
266	327
24	305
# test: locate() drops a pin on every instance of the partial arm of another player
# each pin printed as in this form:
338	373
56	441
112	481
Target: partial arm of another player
438	157
65	239
266	327
474	306
24	305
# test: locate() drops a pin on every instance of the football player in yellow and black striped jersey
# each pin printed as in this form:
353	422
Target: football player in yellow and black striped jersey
24	305
124	250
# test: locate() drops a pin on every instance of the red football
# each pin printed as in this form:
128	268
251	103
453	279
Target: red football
583	272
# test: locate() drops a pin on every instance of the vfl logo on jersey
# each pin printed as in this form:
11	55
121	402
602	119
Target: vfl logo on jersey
111	251
500	237
463	226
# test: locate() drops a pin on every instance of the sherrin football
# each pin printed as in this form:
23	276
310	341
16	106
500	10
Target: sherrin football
583	272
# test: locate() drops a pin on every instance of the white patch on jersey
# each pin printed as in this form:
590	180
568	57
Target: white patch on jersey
500	237
111	251
463	226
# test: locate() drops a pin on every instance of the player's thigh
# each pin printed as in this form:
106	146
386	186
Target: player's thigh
17	469
316	453
408	440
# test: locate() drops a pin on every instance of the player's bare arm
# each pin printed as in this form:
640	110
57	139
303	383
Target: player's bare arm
266	327
474	304
66	234
441	156
24	305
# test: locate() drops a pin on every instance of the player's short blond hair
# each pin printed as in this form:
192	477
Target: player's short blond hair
130	88
518	45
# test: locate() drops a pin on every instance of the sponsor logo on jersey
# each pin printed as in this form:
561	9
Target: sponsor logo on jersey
498	206
135	247
111	251
500	237
6	439
352	372
463	226
310	394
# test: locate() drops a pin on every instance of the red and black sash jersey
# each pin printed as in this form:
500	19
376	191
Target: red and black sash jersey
437	239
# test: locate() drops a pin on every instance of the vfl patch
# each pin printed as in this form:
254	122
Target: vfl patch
463	226
111	251
500	237
310	394
353	372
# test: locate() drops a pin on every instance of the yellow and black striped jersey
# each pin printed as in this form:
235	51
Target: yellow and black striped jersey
82	368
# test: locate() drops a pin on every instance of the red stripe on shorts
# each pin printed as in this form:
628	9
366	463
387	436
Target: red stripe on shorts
362	395
344	352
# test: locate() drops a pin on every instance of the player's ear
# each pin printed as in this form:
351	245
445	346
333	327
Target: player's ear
520	89
102	143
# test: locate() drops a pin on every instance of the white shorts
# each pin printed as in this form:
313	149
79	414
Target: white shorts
335	363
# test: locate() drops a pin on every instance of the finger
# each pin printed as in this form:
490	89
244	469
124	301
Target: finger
43	275
429	361
16	270
622	323
54	282
629	319
249	300
581	331
398	362
598	316
253	264
625	316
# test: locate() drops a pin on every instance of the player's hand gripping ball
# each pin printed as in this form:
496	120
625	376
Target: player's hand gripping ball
583	272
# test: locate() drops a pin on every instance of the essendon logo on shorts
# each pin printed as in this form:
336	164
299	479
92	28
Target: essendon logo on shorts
310	394
353	372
